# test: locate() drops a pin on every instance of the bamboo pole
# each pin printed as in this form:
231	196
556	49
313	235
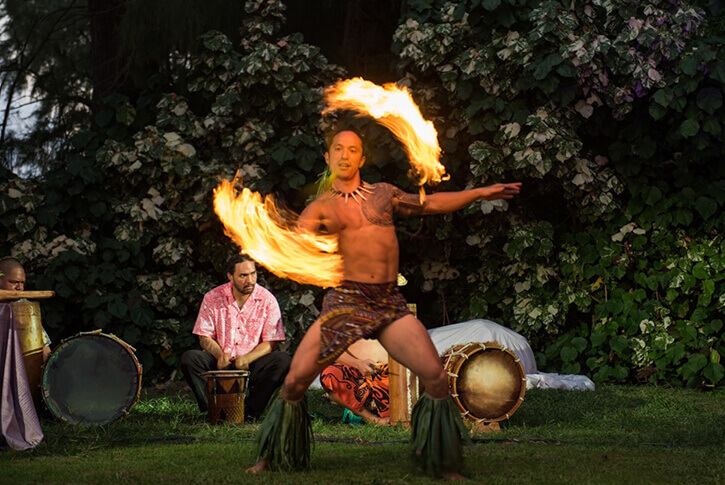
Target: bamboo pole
16	295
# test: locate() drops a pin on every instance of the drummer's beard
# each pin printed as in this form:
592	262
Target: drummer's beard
245	289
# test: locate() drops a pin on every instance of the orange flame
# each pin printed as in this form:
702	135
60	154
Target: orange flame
269	235
394	108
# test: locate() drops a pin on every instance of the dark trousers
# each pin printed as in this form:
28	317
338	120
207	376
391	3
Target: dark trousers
265	375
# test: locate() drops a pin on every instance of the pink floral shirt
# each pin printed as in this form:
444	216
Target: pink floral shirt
239	331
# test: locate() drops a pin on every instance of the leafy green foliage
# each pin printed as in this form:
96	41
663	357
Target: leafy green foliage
126	233
609	111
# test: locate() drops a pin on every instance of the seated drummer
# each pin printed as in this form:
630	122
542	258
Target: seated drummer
358	380
12	278
239	327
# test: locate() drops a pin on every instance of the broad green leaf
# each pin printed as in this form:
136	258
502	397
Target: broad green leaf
700	271
657	112
579	343
117	308
618	343
652	195
697	361
689	128
709	99
663	97
689	65
598	338
714	372
705	206
568	354
718	71
543	68
713	127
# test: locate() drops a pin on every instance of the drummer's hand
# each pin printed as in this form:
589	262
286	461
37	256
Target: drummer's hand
366	367
241	363
223	361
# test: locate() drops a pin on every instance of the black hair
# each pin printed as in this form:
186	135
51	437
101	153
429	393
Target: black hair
235	260
336	130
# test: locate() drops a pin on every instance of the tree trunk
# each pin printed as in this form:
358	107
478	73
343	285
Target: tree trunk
109	68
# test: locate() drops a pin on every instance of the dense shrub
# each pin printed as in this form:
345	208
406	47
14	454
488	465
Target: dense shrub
610	112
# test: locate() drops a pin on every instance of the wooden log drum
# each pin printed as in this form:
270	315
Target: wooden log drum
28	325
225	393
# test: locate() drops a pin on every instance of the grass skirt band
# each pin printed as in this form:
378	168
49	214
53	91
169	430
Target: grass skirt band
437	436
354	311
284	438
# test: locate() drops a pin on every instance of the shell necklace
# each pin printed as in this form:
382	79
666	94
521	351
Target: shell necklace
361	189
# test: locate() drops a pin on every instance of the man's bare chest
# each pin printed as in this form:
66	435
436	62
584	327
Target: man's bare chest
375	209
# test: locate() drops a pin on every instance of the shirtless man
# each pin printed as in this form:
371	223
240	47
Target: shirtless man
368	303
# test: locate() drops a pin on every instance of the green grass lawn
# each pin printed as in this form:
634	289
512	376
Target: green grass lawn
617	434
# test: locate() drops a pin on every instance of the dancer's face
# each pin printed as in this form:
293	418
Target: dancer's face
345	155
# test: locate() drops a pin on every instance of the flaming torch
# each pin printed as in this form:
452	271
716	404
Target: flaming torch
393	107
268	235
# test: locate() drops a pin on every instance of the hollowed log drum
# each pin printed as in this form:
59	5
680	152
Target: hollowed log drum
225	393
30	336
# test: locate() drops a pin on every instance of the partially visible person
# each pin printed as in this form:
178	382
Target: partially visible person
239	327
359	381
12	278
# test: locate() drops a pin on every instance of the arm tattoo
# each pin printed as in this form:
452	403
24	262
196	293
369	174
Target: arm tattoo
210	346
377	207
409	204
387	199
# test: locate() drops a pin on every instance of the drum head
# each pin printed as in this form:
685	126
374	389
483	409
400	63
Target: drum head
490	384
91	379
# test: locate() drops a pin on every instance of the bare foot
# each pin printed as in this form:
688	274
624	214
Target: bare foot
258	468
377	420
371	418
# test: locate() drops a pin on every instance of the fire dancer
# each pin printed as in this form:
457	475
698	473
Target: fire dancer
368	304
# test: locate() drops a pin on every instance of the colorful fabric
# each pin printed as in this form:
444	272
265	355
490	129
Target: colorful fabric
357	310
239	331
357	391
19	424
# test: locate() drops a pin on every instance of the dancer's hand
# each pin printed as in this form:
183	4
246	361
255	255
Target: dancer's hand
500	191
